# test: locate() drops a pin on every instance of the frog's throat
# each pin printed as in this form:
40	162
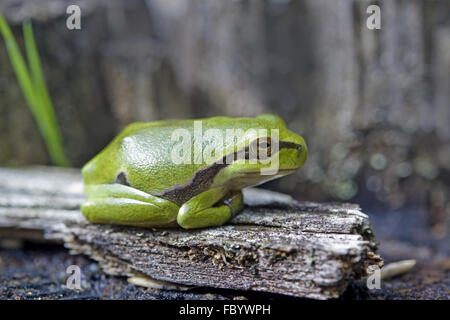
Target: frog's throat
203	178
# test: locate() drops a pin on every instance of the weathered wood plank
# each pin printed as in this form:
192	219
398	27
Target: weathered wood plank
275	245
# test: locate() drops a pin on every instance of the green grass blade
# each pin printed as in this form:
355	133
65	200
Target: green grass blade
18	64
34	90
48	114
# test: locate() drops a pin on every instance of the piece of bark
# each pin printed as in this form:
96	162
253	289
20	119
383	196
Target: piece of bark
275	245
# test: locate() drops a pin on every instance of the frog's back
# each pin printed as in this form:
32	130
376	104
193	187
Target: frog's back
140	156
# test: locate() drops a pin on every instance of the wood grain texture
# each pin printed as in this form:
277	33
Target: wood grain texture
275	245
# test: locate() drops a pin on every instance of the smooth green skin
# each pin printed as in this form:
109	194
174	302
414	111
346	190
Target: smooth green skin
143	152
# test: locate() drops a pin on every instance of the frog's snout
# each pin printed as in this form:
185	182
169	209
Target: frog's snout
301	153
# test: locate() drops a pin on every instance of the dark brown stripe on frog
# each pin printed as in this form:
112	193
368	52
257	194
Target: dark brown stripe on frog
289	145
198	184
204	178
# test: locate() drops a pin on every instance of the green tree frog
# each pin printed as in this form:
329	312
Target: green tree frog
187	172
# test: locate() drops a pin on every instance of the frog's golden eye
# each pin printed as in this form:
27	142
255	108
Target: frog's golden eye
264	148
263	145
259	149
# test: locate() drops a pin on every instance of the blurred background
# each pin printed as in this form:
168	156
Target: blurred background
373	105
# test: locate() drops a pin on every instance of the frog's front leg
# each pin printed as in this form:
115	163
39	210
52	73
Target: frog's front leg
124	205
210	208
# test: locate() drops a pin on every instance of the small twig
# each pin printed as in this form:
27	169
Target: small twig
397	268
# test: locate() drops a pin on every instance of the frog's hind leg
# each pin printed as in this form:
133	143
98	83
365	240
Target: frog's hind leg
210	208
120	204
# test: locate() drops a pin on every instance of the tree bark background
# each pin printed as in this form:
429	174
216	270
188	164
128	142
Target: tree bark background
373	105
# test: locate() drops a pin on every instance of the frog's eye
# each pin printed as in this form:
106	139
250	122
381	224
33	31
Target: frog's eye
259	149
264	148
264	145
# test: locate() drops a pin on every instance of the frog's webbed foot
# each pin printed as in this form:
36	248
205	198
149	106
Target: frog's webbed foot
210	208
120	204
